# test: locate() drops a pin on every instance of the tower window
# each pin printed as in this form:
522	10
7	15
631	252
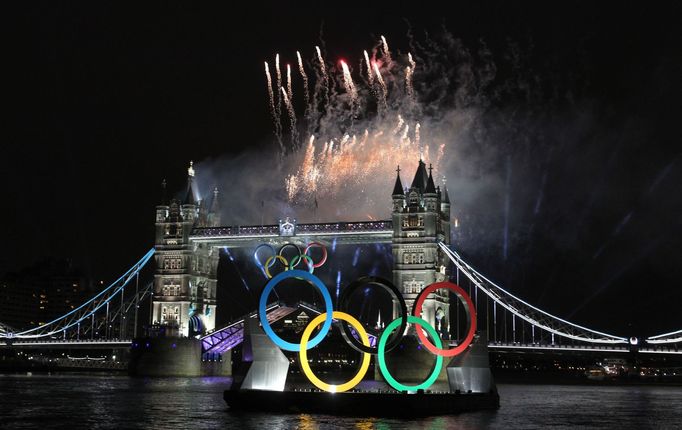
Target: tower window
413	286
172	263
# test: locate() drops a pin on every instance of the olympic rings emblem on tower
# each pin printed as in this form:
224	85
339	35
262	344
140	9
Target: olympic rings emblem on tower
279	256
357	338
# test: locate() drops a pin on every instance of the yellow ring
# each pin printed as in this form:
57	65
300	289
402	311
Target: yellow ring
303	354
278	257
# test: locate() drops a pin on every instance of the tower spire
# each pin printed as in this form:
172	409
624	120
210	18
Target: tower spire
164	197
420	177
189	196
398	187
430	186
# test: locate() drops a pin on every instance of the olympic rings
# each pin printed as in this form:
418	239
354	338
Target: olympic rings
262	313
287	245
382	360
295	261
352	329
303	354
343	303
324	253
299	258
262	245
281	259
469	308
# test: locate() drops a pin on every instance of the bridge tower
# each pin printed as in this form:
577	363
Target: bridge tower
185	280
421	218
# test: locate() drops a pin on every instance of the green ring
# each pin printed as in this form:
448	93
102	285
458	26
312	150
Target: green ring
382	361
297	258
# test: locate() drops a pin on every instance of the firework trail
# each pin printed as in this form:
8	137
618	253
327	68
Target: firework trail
401	121
305	81
382	85
278	74
409	72
325	77
370	76
387	53
323	68
292	117
413	64
275	117
290	93
348	83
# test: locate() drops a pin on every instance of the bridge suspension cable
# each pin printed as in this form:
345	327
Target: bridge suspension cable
87	310
672	337
527	312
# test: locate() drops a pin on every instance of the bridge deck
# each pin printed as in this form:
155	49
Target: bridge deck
352	232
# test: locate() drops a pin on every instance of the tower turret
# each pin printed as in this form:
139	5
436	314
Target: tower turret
398	193
162	207
430	193
445	212
214	210
189	204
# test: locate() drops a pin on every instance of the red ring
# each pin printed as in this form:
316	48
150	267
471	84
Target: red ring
471	312
324	253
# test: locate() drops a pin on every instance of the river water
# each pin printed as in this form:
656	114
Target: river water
113	401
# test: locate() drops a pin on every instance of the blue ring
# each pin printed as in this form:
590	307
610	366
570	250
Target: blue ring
262	315
255	254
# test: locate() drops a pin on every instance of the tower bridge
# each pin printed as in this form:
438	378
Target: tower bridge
190	235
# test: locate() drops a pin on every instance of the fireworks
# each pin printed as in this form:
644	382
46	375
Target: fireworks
409	72
370	76
382	85
342	154
273	111
292	115
387	53
348	82
278	74
323	68
290	93
305	78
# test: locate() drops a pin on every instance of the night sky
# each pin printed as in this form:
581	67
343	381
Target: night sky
103	102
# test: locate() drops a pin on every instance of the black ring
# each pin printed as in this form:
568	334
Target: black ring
386	285
281	250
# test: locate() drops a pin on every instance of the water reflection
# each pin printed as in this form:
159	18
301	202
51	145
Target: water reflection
112	401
